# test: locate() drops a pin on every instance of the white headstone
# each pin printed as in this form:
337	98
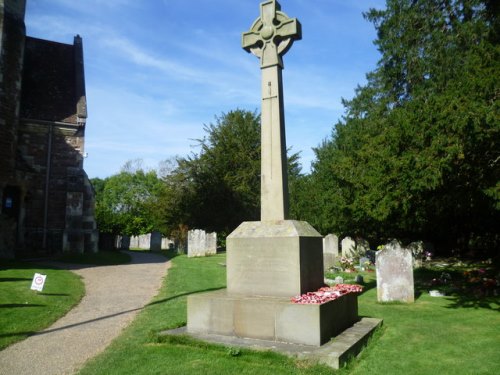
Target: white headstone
394	266
339	280
211	243
201	244
417	249
330	250
348	246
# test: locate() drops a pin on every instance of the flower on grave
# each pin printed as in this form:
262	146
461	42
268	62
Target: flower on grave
327	294
347	264
367	264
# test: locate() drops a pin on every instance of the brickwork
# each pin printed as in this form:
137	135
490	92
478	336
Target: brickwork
47	201
12	38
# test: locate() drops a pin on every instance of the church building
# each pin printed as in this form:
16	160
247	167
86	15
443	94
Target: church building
46	199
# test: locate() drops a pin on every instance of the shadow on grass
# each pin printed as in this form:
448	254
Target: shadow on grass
169	254
11	279
464	301
31	333
460	292
74	262
369	285
9	305
184	295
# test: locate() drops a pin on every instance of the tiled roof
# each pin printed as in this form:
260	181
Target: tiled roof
50	81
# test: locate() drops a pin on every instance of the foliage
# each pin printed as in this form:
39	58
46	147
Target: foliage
219	187
215	189
25	311
416	156
126	202
471	284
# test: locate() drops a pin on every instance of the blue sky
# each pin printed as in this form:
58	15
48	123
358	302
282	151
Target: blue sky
156	71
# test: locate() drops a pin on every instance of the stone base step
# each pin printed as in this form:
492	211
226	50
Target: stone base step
334	353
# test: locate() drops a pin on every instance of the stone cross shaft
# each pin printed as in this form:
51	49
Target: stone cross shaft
269	38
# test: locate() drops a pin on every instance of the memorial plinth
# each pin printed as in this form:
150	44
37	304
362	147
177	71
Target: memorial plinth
270	318
281	258
268	262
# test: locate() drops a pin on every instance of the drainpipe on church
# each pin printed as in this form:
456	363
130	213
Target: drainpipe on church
47	180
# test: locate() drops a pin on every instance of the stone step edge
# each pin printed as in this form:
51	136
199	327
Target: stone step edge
336	353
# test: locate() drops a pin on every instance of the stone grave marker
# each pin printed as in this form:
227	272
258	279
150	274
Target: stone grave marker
211	243
417	249
123	242
362	245
201	243
394	267
330	250
348	247
155	241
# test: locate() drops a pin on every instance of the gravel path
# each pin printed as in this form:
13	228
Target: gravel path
114	295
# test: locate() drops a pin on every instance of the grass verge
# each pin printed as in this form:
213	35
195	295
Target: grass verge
24	311
431	336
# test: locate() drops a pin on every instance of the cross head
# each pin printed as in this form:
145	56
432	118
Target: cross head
271	35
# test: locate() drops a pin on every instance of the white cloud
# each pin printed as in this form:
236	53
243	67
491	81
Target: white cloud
139	56
94	6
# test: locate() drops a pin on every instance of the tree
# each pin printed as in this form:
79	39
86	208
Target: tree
127	202
219	187
416	155
222	180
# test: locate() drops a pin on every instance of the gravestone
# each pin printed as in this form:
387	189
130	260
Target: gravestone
417	249
123	243
348	247
211	244
274	259
155	241
201	244
330	250
394	266
362	246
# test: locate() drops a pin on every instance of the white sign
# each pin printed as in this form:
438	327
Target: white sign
38	282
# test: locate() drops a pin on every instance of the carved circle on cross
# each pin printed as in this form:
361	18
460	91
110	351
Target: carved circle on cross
267	32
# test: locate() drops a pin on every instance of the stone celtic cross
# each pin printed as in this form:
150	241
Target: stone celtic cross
269	38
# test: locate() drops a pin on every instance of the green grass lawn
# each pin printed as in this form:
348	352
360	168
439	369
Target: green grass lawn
24	311
431	336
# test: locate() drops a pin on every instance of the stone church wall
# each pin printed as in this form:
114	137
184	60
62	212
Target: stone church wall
46	199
